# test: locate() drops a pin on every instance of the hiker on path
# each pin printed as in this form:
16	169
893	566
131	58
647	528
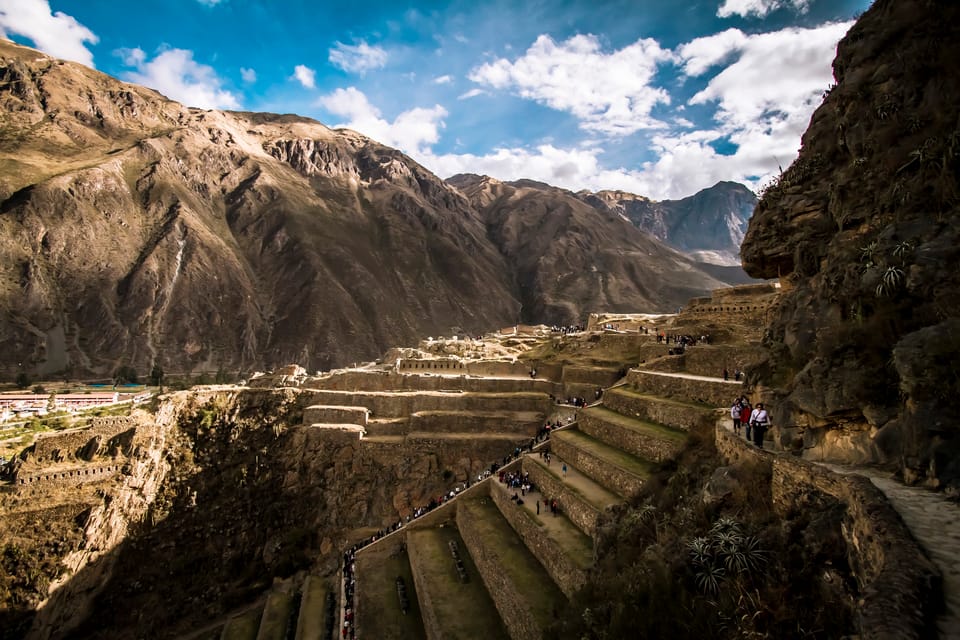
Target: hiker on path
760	420
745	411
735	414
564	469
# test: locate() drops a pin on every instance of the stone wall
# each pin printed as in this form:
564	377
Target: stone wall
565	573
652	409
523	423
400	404
68	476
509	600
424	380
610	476
898	582
332	414
717	393
634	442
580	512
81	443
708	360
746	304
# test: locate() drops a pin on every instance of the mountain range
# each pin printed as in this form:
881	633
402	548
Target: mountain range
134	230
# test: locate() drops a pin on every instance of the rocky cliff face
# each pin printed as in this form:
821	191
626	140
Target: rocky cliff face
568	256
709	224
134	230
863	231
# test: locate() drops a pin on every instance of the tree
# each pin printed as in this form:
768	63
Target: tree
23	380
39	389
156	375
125	374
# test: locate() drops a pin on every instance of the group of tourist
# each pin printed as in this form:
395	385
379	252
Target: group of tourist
684	340
754	420
571	328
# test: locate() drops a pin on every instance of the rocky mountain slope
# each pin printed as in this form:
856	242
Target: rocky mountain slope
134	230
567	255
863	231
709	224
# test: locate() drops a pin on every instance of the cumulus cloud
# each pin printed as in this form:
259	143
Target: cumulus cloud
759	8
443	79
248	75
305	76
411	131
57	34
609	93
763	88
358	58
174	73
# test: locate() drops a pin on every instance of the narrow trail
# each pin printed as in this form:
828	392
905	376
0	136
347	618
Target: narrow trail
933	520
689	376
935	523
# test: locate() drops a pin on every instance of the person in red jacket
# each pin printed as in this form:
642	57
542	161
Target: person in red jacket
745	411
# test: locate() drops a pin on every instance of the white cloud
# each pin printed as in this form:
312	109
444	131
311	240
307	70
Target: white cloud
764	94
609	93
472	93
57	34
177	75
411	131
248	75
759	8
211	3
358	58
305	76
443	80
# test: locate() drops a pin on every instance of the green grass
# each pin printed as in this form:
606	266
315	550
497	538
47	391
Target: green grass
463	610
531	580
655	398
312	605
652	429
610	455
379	605
243	626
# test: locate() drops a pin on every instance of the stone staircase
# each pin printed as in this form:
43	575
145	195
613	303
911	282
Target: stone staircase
523	561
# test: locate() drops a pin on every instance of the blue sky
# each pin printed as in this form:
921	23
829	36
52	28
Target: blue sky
654	97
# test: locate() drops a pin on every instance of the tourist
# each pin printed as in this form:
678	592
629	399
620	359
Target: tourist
760	420
726	374
564	469
745	413
735	414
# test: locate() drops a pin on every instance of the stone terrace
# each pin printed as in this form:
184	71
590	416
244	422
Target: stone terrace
528	559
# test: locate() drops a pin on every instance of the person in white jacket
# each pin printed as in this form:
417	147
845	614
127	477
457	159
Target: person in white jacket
760	421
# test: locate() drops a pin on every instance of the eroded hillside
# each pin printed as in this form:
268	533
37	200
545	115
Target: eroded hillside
136	230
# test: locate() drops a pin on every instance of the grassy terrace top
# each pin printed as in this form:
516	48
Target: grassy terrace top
610	455
527	574
463	610
652	429
595	494
654	398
